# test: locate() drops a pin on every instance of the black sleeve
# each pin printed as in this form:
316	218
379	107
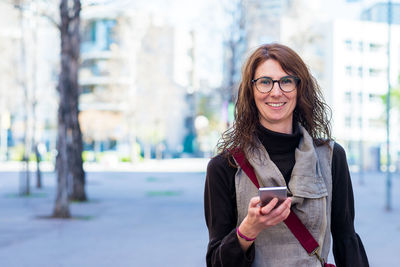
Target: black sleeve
221	216
348	249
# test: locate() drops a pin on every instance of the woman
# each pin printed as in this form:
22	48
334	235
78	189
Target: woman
283	129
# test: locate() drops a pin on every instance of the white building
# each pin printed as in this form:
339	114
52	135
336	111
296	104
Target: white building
349	59
355	80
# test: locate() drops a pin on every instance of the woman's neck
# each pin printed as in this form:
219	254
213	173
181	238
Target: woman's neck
284	128
278	142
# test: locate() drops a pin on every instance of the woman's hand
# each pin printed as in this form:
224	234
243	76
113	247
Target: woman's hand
259	218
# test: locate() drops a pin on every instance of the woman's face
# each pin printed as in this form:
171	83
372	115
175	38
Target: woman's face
276	107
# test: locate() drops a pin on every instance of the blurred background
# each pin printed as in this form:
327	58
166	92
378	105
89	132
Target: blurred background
158	81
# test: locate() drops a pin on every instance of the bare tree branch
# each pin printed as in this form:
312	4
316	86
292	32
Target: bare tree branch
50	19
20	6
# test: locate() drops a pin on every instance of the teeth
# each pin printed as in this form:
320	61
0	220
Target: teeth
275	104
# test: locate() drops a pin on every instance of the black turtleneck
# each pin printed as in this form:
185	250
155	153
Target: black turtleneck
280	147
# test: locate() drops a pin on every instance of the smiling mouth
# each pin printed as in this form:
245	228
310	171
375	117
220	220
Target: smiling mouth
276	105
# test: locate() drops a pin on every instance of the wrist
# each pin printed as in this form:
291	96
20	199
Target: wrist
243	236
247	230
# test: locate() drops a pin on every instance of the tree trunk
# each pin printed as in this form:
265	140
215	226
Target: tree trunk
236	44
25	177
61	209
38	173
69	139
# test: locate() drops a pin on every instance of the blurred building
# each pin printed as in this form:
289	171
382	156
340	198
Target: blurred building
29	48
349	60
140	90
379	13
264	20
250	24
136	72
356	61
137	78
9	40
104	84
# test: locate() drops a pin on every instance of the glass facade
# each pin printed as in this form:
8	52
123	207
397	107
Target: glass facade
379	13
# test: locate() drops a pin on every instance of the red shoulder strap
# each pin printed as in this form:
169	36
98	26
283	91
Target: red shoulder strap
292	221
240	158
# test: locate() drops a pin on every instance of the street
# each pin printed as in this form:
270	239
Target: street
151	219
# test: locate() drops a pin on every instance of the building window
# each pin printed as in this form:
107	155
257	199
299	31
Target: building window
348	44
348	71
87	89
99	35
347	97
375	72
347	122
373	47
360	97
360	71
110	36
376	123
375	98
360	46
359	121
89	32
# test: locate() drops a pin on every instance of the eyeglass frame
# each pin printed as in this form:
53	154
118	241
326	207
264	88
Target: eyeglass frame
297	79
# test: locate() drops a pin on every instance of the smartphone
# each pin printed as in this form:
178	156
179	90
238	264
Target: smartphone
268	193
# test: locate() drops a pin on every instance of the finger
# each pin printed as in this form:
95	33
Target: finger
288	202
285	205
279	218
261	211
254	202
280	213
270	206
286	214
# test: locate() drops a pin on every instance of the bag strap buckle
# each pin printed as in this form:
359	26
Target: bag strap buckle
316	253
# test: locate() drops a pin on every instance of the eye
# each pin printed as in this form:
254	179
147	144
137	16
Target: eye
265	81
287	80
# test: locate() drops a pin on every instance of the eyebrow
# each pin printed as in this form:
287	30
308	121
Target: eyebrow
272	78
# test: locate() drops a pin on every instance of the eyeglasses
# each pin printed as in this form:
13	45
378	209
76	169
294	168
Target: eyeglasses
265	84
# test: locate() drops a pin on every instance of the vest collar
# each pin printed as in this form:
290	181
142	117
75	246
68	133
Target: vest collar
306	180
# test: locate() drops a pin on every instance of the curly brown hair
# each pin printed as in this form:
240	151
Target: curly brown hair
311	111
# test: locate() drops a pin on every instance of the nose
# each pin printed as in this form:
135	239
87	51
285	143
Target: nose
276	90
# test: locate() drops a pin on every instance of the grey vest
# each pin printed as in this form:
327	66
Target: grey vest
311	187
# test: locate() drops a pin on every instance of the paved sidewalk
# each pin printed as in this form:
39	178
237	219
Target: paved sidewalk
132	219
379	229
151	219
